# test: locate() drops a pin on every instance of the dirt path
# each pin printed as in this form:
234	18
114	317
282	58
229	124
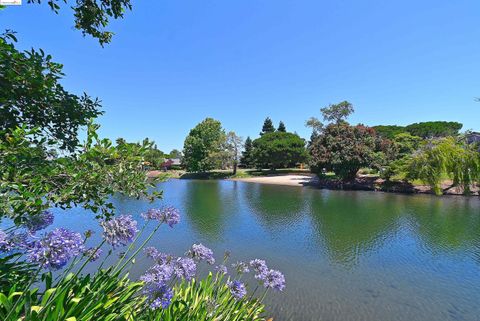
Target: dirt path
289	180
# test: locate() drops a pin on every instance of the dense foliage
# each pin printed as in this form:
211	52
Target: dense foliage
32	96
429	129
446	157
278	149
203	147
343	149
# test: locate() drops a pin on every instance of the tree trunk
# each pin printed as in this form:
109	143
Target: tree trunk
234	168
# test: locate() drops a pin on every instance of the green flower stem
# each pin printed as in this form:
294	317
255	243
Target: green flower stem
138	250
27	288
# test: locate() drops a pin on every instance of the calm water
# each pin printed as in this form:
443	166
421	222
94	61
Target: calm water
346	255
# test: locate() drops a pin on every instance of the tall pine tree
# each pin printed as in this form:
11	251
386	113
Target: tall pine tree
267	126
247	154
281	127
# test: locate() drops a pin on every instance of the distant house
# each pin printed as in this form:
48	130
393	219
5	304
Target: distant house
172	162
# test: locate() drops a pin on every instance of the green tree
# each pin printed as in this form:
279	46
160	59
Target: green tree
389	131
247	154
278	149
175	153
446	157
432	129
406	144
31	95
281	127
234	145
203	147
343	149
337	112
267	126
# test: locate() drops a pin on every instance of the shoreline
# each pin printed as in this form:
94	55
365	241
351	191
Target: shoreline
361	183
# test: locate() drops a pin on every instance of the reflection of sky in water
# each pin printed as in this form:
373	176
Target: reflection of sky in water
346	255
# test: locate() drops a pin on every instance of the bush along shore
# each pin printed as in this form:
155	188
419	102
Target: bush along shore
169	290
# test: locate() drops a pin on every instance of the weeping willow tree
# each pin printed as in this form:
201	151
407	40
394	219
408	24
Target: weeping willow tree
446	158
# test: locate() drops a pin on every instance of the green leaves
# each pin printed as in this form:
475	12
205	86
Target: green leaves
278	149
203	146
93	16
33	180
31	96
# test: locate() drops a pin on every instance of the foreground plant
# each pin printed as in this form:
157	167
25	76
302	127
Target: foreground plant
169	290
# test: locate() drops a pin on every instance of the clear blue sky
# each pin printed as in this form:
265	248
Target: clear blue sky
173	63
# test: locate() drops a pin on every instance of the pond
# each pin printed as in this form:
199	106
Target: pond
346	255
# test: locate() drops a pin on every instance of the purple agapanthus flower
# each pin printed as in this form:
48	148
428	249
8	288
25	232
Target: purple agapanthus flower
258	265
159	273
157	256
15	241
93	254
39	221
56	248
169	215
241	267
272	279
3	239
185	268
158	295
222	269
200	252
119	230
237	289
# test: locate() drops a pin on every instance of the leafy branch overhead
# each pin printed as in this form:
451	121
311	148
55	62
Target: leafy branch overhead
92	16
32	96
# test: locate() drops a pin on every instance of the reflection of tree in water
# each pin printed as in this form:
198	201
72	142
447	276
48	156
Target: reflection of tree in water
447	224
274	205
204	208
351	223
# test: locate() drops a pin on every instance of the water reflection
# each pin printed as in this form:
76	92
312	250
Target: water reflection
446	225
352	224
204	208
274	206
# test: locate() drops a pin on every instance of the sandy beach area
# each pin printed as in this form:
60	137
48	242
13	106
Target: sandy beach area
289	180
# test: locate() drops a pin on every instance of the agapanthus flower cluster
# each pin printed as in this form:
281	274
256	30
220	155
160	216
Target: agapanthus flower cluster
119	230
185	268
158	295
270	278
56	248
241	267
237	289
35	223
258	265
93	254
157	256
159	275
15	241
168	214
199	252
3	239
221	269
